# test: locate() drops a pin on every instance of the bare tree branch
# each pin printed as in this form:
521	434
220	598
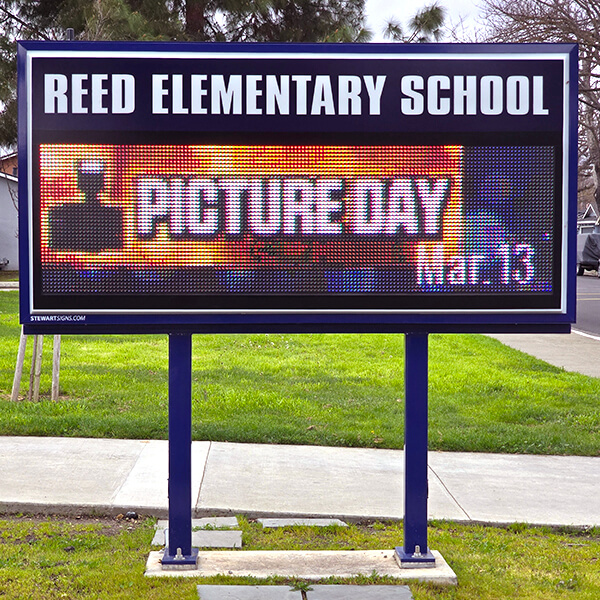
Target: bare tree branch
28	26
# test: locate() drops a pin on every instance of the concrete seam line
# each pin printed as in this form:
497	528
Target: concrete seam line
141	444
449	492
203	474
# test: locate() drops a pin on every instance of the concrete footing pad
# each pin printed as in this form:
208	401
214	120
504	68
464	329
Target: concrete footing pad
309	565
223	537
317	592
299	522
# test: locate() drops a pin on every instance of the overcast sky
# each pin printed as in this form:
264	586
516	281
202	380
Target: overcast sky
380	11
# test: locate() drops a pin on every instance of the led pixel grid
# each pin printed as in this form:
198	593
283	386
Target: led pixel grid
225	220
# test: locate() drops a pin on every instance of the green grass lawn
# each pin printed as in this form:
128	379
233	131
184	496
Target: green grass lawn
104	559
305	389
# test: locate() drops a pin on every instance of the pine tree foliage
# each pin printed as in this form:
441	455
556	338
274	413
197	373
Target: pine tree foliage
427	25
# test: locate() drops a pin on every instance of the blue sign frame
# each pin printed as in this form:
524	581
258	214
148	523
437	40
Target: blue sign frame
511	103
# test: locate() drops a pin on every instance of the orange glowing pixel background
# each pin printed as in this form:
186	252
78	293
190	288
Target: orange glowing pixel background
62	197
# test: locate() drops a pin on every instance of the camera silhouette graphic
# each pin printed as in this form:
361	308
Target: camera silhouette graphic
87	226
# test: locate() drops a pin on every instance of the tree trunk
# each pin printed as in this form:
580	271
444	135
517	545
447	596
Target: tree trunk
195	18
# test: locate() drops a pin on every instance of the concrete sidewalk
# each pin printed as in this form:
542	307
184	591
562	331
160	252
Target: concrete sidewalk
73	475
578	351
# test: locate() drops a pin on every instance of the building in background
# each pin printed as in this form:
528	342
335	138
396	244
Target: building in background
9	164
9	228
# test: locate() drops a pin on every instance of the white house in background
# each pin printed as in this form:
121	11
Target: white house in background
9	227
9	163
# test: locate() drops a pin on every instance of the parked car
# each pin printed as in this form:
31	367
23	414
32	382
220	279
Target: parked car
588	252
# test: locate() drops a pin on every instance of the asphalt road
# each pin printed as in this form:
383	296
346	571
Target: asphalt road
588	303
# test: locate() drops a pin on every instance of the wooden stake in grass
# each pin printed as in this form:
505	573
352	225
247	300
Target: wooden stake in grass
36	368
19	367
55	368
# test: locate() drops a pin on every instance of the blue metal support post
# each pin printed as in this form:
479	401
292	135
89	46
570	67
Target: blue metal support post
179	553
415	552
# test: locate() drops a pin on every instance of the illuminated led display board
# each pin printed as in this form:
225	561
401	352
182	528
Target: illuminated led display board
243	187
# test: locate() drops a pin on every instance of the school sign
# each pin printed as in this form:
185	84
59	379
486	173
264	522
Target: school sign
242	187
